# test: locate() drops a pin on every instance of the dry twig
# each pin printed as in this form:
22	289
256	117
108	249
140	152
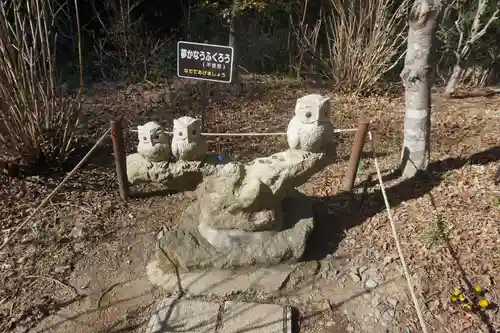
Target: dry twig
68	286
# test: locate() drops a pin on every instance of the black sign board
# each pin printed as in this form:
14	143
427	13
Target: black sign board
206	62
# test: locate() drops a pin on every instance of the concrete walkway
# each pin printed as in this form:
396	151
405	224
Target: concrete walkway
174	315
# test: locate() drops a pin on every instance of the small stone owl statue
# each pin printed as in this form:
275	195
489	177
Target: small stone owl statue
153	142
187	142
310	129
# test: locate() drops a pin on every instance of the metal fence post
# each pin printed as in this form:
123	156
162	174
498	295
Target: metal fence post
357	149
120	159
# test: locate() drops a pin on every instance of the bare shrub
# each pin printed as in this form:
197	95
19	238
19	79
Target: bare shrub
126	49
35	122
362	41
467	34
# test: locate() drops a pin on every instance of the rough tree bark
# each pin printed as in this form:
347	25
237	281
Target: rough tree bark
232	37
463	51
417	75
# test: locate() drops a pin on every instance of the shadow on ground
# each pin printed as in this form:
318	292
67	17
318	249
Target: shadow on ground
469	286
102	156
336	214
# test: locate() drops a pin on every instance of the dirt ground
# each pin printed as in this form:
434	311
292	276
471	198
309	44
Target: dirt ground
80	265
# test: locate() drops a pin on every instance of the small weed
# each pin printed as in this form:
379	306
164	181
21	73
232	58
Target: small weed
361	169
436	234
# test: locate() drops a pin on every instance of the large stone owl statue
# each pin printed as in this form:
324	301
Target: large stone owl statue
187	142
153	142
310	129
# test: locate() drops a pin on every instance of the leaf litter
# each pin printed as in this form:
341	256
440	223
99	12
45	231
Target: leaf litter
448	221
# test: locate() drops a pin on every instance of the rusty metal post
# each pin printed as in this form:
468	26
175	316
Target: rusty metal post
357	149
120	159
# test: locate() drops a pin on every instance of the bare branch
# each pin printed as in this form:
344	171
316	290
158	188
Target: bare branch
481	33
463	50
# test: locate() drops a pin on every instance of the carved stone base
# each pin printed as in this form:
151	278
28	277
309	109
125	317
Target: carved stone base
178	176
185	248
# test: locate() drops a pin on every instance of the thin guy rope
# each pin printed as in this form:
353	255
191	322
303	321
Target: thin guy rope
342	130
396	239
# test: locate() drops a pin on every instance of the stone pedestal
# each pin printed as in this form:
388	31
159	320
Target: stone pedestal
186	248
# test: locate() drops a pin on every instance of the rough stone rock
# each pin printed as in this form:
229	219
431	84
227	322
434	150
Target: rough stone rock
371	284
355	276
388	315
179	176
433	304
373	274
392	301
248	197
387	260
185	248
362	269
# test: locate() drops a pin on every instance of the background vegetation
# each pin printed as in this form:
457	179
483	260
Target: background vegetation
353	45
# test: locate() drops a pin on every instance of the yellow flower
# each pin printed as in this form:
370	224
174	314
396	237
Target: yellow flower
468	306
461	297
456	292
484	303
453	299
477	288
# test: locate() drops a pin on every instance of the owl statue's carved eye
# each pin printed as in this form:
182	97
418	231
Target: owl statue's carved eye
180	133
308	114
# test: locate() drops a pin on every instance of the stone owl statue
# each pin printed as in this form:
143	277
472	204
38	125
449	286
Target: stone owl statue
187	142
153	142
310	128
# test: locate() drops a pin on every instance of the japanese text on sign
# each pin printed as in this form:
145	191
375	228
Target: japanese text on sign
201	55
204	61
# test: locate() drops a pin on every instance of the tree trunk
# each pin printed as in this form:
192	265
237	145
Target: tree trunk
232	38
451	85
417	76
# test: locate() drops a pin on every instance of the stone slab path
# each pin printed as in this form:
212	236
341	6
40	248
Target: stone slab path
355	295
221	282
179	315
